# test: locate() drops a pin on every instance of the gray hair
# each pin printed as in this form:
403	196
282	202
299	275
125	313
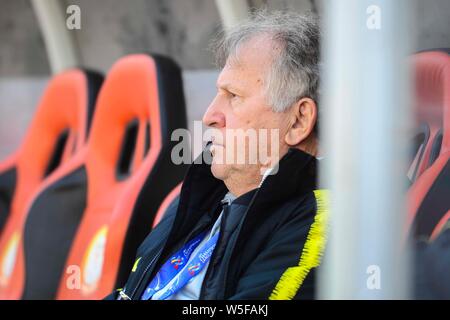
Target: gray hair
295	69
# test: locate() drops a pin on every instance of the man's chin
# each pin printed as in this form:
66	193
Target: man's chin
218	171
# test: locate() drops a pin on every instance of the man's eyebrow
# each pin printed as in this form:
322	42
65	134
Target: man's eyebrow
228	87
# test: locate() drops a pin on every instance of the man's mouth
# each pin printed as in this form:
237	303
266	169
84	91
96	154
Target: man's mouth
215	142
214	148
217	145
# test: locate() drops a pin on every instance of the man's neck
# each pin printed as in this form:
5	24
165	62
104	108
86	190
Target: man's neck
238	189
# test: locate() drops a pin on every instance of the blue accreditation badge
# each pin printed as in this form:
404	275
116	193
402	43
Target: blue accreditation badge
175	267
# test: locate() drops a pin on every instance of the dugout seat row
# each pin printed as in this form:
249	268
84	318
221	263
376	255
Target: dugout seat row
429	195
86	220
58	131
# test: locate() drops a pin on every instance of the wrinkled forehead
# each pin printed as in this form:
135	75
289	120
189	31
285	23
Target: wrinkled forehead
256	51
251	61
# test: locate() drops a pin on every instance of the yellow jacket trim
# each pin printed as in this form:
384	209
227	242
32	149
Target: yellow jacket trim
136	264
292	279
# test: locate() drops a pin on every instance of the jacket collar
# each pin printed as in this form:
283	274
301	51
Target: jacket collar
297	173
201	191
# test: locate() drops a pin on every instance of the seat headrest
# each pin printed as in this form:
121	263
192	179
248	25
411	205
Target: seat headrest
432	88
62	109
141	99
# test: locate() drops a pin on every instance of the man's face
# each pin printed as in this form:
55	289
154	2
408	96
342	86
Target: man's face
241	103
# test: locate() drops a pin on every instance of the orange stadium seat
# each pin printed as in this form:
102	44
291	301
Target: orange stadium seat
429	201
428	107
58	130
170	200
89	220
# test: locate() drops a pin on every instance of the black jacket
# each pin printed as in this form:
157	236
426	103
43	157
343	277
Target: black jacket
261	252
431	267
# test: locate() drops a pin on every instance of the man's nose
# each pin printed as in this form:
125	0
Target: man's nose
214	115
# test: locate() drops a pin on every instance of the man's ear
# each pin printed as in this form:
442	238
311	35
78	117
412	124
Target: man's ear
303	117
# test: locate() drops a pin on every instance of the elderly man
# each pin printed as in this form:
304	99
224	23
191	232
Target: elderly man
249	229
